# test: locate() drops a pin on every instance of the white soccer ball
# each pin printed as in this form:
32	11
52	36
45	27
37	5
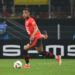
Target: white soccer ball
17	64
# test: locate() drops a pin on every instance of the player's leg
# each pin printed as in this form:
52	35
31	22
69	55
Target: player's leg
59	57
41	51
26	56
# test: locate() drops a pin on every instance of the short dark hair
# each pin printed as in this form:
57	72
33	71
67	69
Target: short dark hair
27	9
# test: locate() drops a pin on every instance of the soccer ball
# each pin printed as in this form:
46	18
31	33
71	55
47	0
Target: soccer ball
17	64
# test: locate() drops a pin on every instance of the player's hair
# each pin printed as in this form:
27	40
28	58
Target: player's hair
27	9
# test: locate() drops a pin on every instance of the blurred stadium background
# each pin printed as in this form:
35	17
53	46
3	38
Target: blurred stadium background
48	14
55	16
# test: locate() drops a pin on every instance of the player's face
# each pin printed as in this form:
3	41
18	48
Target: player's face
26	14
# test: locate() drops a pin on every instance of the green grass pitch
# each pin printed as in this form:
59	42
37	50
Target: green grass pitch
38	67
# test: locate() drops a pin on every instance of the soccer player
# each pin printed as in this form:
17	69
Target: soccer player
35	37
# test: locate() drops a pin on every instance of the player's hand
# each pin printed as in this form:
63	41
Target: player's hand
31	38
44	36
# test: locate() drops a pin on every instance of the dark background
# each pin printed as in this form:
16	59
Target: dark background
67	28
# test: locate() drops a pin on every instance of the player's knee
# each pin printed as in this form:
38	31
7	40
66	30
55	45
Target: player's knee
39	51
25	48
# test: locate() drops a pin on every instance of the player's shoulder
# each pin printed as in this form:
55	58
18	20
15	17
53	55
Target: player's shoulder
32	19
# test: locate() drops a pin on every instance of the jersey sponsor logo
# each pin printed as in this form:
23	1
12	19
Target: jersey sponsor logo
33	22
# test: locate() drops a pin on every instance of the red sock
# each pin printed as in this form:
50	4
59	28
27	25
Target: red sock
26	58
58	58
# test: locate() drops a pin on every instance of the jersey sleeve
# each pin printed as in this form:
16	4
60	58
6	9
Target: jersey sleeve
33	22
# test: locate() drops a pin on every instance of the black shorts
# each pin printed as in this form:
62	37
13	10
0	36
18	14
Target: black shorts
36	42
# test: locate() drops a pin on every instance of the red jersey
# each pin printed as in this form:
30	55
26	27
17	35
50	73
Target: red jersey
29	24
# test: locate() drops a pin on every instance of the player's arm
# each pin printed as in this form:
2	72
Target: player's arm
44	36
35	31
